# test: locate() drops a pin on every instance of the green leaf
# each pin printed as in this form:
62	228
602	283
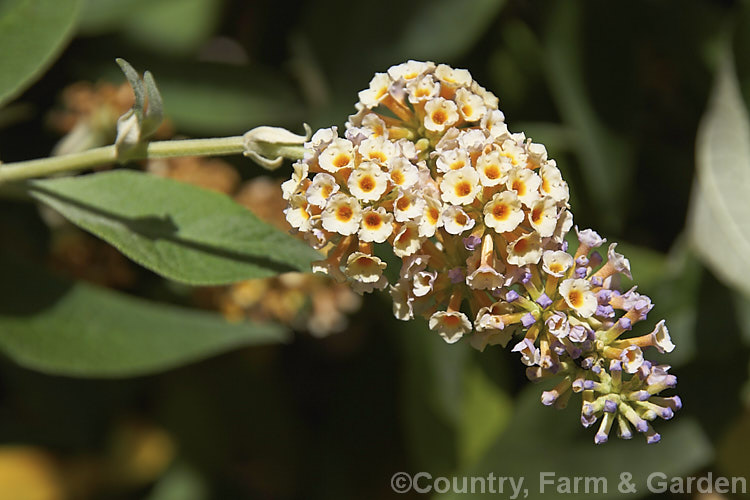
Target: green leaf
75	329
541	439
179	231
435	32
486	413
719	218
209	98
605	159
172	26
32	35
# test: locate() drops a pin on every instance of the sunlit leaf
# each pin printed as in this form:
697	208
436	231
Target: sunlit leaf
180	231
75	329
719	220
32	35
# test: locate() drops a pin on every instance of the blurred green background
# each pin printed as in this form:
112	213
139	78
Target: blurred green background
616	90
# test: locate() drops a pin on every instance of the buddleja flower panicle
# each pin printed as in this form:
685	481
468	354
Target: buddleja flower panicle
478	216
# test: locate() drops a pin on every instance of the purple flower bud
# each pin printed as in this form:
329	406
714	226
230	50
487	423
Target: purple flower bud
528	319
676	402
526	277
511	296
472	242
544	300
582	260
549	398
588	384
666	413
580	272
564	246
603	296
587	410
595	260
625	323
596	281
588	420
641	425
640	395
604	311
610	406
456	275
587	363
577	333
653	438
615	365
625	433
596	369
600	438
577	384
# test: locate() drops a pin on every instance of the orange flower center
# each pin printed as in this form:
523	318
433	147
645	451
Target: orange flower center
492	172
463	188
367	183
373	221
575	298
341	160
439	117
344	213
500	211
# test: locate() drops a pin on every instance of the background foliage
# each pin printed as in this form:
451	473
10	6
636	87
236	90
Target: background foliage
117	389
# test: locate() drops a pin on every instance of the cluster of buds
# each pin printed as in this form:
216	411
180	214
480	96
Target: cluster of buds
478	216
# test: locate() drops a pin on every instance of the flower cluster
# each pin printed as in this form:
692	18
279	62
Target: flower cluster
478	216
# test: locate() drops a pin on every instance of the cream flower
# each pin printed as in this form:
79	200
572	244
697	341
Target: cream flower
452	76
440	114
364	268
525	250
368	182
455	220
503	212
410	70
407	240
432	217
553	184
339	154
513	149
452	159
322	187
526	185
296	213
494	123
376	226
292	186
377	150
403	308
422	283
342	214
530	354
403	173
450	325
470	106
492	168
422	89
661	338
408	205
378	90
632	358
543	216
460	186
556	263
578	295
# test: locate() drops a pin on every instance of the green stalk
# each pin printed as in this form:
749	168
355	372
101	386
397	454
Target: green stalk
45	167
